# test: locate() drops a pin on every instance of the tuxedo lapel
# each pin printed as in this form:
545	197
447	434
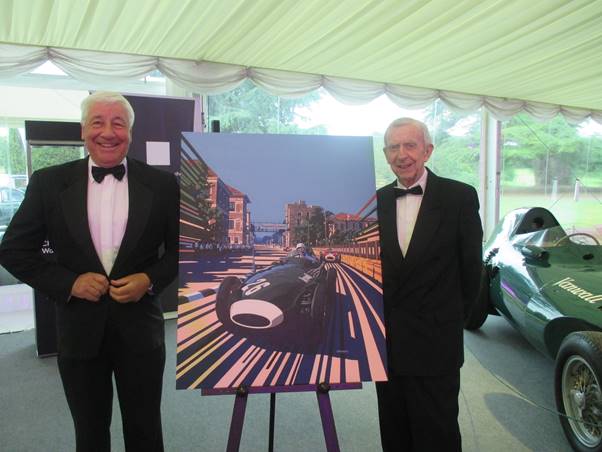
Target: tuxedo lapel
74	202
388	226
140	202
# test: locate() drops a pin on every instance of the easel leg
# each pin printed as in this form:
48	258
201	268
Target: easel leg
272	417
238	417
330	432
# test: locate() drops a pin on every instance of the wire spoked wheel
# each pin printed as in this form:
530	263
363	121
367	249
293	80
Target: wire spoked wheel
578	375
582	401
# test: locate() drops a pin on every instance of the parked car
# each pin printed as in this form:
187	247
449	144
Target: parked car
10	200
548	285
290	301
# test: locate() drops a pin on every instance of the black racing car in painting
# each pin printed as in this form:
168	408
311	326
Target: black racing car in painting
548	285
291	300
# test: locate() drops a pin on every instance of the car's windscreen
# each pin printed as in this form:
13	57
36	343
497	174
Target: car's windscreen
553	237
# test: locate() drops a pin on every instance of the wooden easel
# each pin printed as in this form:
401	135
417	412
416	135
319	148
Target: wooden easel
322	391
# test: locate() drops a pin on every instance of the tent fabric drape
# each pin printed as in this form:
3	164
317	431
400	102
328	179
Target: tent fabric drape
206	77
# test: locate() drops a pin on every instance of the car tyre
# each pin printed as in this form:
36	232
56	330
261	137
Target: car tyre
480	310
318	313
578	376
226	293
322	306
331	296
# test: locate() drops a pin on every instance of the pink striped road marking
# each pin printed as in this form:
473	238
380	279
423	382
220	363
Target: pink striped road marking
201	354
263	374
324	366
236	368
379	322
314	370
216	364
249	368
279	371
294	370
352	371
187	343
377	368
185	331
184	308
376	287
230	271
351	327
199	313
335	371
340	285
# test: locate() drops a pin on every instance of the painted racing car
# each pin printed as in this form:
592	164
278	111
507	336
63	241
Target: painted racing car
548	284
330	256
289	302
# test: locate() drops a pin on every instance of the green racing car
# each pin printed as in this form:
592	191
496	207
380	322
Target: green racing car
548	284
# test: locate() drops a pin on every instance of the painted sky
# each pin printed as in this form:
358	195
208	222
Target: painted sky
334	172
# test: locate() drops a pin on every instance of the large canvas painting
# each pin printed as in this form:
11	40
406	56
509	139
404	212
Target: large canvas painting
280	282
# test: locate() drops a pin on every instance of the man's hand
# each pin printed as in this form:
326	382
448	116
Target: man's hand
130	288
90	286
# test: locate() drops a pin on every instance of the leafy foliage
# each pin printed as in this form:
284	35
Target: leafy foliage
44	156
551	150
455	156
250	109
312	231
12	148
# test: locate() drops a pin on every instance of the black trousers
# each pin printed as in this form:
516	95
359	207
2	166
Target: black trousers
88	385
419	414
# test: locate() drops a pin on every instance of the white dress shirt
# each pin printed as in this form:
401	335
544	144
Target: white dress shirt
108	204
407	212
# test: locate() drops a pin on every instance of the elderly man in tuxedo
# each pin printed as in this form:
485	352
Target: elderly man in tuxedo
431	241
113	225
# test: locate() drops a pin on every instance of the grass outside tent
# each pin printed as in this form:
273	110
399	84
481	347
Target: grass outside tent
582	215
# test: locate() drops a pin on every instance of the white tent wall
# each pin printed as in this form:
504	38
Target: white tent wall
213	78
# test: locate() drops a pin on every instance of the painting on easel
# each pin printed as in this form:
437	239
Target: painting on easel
280	281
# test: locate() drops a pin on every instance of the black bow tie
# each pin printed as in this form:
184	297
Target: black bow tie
99	173
417	190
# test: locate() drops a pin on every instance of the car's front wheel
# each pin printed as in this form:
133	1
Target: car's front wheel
322	307
578	393
226	294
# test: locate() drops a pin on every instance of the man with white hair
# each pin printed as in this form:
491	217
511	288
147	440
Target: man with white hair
113	225
431	239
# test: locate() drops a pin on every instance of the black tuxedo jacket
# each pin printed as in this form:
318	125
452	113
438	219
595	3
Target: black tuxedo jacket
428	292
55	207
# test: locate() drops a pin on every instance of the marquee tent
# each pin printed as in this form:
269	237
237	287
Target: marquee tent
539	56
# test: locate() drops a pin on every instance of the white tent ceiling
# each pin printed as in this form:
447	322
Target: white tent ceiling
546	51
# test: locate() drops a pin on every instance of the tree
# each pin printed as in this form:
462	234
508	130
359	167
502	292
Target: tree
546	148
17	152
13	149
44	156
317	226
311	231
250	109
455	156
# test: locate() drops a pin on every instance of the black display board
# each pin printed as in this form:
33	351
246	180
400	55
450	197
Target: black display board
161	119
53	133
